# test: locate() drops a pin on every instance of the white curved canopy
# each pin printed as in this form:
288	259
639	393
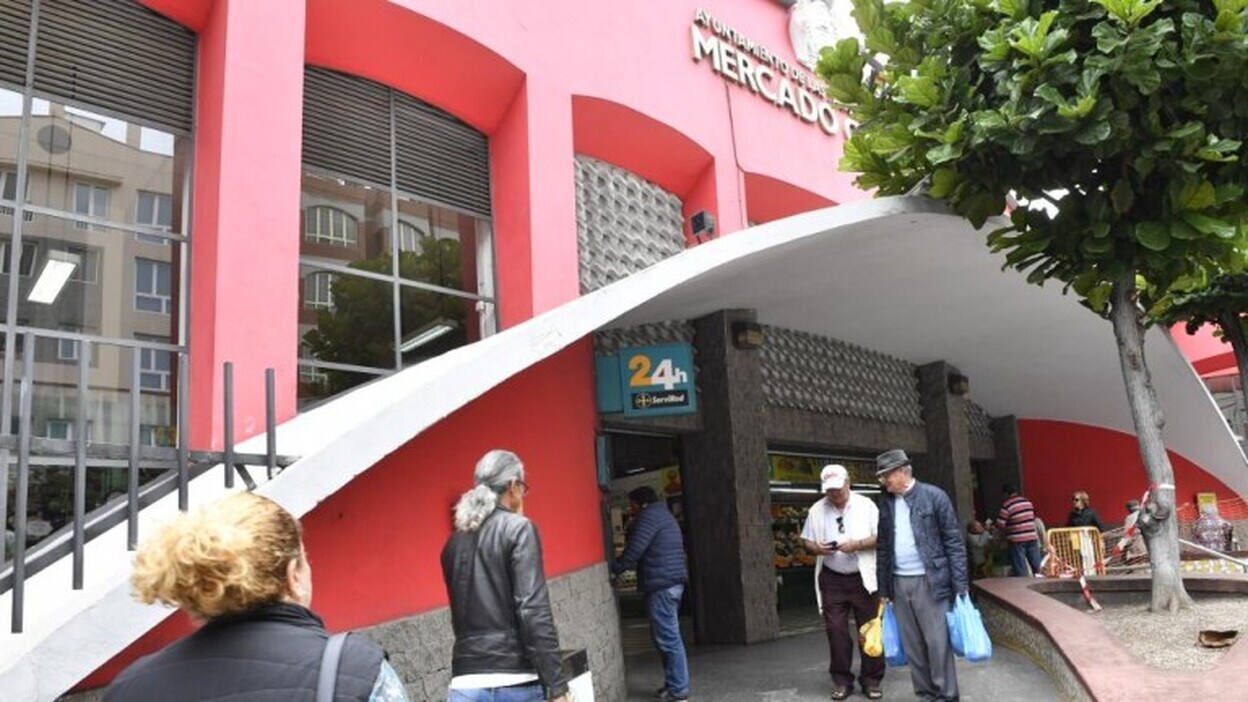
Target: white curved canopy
897	275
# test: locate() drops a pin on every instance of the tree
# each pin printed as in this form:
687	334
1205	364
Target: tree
358	329
1118	123
1224	304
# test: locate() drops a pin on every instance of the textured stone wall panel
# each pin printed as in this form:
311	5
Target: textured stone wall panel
814	373
979	421
623	223
585	614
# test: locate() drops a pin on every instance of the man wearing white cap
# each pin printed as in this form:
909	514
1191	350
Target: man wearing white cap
840	529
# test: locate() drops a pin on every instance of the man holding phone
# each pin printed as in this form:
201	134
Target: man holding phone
840	530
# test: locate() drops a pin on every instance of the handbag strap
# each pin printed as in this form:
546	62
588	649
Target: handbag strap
327	680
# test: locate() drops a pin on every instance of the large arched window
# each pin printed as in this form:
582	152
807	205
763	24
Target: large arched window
95	147
329	225
396	212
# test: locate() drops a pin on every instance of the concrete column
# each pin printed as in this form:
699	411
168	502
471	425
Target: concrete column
532	161
727	497
244	290
1008	466
948	460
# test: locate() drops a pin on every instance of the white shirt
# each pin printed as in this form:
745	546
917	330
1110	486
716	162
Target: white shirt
861	518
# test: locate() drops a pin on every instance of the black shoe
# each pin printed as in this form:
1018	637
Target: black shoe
840	693
671	697
874	693
659	693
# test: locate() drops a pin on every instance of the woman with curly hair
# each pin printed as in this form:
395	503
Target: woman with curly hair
239	566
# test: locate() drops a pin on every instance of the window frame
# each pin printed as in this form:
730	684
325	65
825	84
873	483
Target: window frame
165	299
314	234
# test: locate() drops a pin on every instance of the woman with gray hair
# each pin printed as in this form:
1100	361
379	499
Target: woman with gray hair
506	645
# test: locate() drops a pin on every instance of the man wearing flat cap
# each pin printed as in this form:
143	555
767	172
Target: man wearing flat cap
921	561
840	531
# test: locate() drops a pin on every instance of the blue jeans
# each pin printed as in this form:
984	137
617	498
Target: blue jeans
529	692
663	606
1023	555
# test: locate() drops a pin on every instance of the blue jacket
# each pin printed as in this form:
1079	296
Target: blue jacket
655	548
938	536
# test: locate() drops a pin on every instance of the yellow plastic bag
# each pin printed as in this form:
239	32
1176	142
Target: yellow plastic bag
871	635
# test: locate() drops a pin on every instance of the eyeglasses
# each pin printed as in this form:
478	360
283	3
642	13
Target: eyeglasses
524	487
840	524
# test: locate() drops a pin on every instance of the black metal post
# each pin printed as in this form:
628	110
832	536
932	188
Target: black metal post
229	424
80	460
270	421
183	469
23	480
132	477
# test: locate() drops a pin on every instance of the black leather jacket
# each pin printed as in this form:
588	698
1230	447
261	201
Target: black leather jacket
500	607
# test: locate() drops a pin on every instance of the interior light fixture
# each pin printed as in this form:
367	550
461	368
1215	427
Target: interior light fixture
426	334
57	269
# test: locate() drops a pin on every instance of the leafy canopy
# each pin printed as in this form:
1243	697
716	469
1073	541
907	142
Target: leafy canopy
1127	117
1223	301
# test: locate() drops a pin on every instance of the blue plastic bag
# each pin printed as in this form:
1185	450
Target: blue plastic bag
894	655
967	634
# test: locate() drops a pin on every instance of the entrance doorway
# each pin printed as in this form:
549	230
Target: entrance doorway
636	460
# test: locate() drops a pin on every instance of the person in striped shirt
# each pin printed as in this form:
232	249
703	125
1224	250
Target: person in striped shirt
1017	519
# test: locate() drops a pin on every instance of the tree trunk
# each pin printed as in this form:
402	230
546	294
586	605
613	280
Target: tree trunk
1163	542
1233	329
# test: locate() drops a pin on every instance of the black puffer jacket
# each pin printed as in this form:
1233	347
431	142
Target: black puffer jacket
500	607
272	652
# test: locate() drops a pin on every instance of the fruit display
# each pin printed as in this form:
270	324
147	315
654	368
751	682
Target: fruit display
786	531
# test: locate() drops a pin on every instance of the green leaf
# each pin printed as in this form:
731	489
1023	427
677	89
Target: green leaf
1080	109
1096	247
1196	196
1209	225
919	90
1153	236
943	153
1189	129
1093	133
1182	231
943	182
1014	9
980	206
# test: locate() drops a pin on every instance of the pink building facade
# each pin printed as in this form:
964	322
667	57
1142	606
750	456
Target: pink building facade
703	108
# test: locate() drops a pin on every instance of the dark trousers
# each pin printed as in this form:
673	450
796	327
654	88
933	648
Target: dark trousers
1025	555
925	638
842	594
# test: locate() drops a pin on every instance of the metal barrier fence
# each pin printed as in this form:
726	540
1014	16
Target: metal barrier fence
179	465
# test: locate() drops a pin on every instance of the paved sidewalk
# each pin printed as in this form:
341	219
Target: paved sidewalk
795	669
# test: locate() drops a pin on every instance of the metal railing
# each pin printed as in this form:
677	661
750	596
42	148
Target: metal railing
178	464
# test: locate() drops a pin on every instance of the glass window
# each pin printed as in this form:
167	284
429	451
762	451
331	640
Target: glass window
411	236
155	369
97	293
358	329
154	210
366	245
329	225
66	350
59	429
152	286
438	246
8	191
26	265
318	291
90	200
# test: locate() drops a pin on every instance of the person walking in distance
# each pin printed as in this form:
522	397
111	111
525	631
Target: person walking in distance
921	563
656	549
840	530
506	646
1017	518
